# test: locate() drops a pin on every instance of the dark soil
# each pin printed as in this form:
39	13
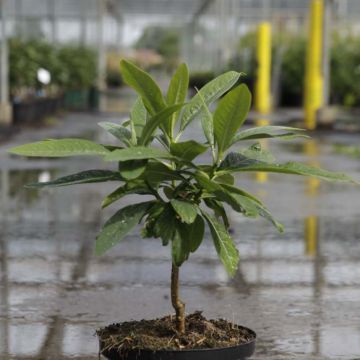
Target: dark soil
161	334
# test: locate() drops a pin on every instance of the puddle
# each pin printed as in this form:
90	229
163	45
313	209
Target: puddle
300	291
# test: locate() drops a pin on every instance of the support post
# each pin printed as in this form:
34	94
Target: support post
263	56
313	97
5	106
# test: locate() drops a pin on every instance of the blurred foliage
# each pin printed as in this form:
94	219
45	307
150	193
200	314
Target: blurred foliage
70	67
79	67
350	150
164	41
345	67
345	70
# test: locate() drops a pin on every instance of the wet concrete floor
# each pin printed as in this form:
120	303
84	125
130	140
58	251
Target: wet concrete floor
300	291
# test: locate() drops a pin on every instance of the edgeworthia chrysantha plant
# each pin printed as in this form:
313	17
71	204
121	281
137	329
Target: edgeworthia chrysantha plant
151	159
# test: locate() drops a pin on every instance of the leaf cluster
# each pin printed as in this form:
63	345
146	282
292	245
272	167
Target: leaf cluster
151	159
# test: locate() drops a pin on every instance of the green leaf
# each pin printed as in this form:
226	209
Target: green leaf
120	132
216	190
132	169
138	117
156	121
256	152
194	233
239	191
224	244
59	148
230	115
164	226
224	178
186	210
237	160
239	163
177	92
187	150
219	210
180	248
119	225
253	209
136	187
264	132
144	85
210	92
83	177
137	153
157	172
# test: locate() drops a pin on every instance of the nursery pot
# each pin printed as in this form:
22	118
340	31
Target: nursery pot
238	352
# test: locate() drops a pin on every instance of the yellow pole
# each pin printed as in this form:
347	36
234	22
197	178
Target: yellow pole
313	97
263	57
311	234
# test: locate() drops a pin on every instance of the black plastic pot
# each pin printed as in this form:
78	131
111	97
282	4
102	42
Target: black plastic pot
240	352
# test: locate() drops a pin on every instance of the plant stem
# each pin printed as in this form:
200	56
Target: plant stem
177	304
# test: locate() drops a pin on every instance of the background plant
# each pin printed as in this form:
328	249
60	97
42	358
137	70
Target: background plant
187	195
70	67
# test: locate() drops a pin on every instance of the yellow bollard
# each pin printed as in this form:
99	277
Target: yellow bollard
311	234
263	57
313	97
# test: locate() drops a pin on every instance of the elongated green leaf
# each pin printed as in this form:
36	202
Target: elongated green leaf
237	160
239	191
177	92
224	244
165	225
120	132
224	178
194	233
136	187
187	150
83	177
239	163
216	190
132	169
144	85
156	121
186	210
180	248
264	132
230	115
207	123
119	225
256	152
210	92
253	209
219	210
59	148
157	172
138	117
137	153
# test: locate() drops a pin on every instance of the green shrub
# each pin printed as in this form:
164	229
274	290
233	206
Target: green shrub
70	67
79	65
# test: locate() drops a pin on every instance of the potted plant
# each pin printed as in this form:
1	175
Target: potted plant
185	197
